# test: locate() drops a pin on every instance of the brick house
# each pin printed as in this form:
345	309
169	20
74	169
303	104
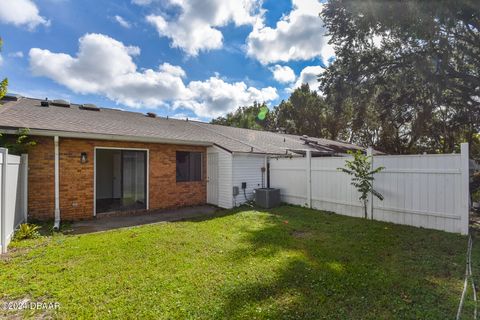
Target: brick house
89	160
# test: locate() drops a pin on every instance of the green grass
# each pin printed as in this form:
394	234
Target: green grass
287	263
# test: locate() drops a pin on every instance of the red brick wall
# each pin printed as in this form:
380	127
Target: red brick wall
77	179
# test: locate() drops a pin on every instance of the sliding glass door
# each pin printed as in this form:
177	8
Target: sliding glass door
121	180
133	177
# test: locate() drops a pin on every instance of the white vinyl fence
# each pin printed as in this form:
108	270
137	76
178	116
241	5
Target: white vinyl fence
429	191
13	195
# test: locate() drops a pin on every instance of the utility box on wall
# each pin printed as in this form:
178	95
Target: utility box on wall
267	197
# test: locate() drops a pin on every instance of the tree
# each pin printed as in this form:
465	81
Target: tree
20	143
303	113
256	116
410	70
360	168
4	82
17	144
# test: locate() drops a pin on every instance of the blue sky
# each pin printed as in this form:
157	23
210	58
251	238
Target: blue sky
195	58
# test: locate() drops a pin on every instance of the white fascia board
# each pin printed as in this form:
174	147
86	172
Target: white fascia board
110	137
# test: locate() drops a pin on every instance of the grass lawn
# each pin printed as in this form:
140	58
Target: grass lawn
287	263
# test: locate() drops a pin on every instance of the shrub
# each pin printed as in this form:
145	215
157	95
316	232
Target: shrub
27	231
360	168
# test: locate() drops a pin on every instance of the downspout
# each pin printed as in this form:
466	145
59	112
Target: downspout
3	198
56	224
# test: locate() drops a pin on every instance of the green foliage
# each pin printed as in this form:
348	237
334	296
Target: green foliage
256	116
18	144
4	82
285	263
409	70
475	186
305	112
476	195
3	87
27	231
360	168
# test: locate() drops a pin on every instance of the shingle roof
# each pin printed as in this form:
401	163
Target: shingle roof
28	113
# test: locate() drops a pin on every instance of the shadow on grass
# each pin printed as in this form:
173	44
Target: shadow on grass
325	266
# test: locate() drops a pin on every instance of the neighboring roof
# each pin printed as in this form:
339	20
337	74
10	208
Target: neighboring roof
19	112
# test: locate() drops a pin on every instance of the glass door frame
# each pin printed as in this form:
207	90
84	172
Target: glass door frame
147	174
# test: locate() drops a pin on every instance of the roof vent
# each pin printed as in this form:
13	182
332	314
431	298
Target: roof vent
90	107
45	103
151	115
60	103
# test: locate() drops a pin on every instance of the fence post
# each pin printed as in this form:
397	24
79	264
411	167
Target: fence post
370	196
24	172
308	175
465	188
3	202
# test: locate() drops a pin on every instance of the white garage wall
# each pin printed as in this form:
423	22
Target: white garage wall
247	168
224	176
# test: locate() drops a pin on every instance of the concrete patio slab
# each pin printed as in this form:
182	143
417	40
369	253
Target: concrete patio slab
115	222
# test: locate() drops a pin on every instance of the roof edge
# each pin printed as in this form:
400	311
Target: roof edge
102	136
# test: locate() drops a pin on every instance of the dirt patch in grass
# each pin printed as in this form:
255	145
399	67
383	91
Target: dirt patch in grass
301	234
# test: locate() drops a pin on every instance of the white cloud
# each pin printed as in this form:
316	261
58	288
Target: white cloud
309	75
283	74
300	35
1	60
184	116
121	21
17	54
105	66
142	2
195	28
21	13
215	97
173	70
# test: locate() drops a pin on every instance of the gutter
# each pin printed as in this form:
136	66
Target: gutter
56	224
103	136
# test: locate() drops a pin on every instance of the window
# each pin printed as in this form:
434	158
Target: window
189	166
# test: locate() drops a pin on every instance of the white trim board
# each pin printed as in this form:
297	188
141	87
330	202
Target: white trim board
108	137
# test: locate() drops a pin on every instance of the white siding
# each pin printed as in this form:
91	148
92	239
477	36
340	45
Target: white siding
247	168
224	176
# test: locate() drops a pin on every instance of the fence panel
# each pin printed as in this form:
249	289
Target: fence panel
289	175
420	190
331	188
13	190
429	191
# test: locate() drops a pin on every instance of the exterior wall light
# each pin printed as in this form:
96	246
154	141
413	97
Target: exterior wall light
83	157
